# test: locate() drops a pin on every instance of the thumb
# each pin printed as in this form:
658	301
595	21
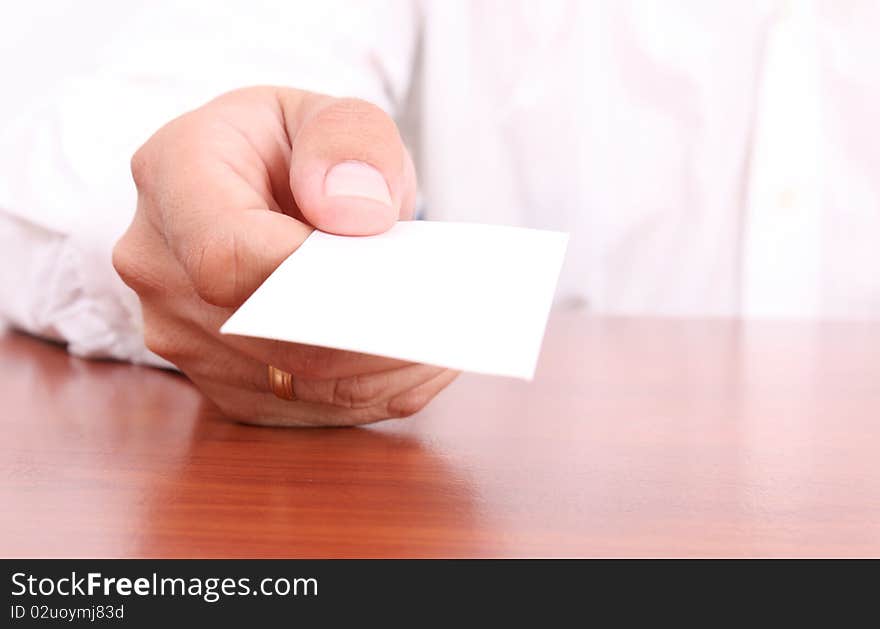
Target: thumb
350	172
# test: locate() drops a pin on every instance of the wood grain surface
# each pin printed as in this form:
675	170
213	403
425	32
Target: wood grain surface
638	437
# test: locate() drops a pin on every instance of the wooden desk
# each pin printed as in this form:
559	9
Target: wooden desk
639	437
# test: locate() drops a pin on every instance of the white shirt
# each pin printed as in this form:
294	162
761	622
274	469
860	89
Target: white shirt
708	158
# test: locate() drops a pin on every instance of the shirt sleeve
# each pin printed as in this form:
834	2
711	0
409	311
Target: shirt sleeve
66	194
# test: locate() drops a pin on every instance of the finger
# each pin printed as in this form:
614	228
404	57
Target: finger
196	352
228	258
264	409
205	358
350	171
365	390
305	361
224	235
257	407
229	384
209	189
413	400
311	361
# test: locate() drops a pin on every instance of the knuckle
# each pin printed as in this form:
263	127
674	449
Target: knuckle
133	265
356	392
124	260
141	168
158	340
148	160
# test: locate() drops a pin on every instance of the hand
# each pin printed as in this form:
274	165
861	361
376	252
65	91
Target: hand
225	194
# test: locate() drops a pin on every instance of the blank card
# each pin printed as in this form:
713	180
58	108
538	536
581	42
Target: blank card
460	295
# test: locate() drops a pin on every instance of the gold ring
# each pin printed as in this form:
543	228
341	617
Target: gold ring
281	383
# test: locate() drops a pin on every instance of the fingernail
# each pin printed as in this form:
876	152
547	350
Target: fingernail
356	179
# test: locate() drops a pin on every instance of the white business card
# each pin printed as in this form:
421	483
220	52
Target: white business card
460	295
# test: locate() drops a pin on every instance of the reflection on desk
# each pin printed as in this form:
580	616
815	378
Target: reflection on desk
639	437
